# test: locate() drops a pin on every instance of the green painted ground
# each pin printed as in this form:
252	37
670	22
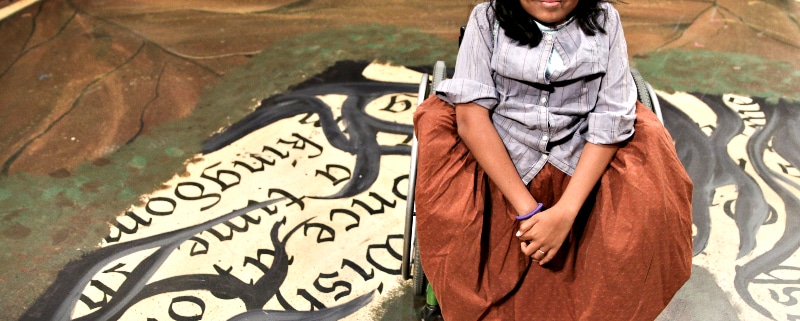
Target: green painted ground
708	72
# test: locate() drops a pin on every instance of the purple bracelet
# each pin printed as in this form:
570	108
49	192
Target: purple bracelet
532	213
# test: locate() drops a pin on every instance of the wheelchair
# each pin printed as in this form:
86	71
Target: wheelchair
411	267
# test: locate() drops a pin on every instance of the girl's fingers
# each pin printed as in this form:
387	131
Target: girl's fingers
526	226
528	248
539	255
547	258
524	248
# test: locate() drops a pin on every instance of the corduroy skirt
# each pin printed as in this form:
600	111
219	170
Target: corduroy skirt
629	251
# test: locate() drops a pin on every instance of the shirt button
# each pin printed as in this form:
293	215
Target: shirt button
544	156
548	37
545	137
543	100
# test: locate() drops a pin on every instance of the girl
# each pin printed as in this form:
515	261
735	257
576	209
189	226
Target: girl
546	191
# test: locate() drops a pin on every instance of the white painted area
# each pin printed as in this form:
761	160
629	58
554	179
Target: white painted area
389	73
695	108
720	255
298	173
15	7
336	102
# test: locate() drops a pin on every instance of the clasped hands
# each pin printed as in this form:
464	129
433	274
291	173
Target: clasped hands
542	235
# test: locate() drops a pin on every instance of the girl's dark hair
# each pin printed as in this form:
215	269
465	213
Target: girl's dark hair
520	26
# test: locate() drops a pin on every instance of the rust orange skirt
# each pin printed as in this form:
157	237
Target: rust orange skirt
629	251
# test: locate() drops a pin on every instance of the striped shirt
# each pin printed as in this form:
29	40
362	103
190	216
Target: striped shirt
546	116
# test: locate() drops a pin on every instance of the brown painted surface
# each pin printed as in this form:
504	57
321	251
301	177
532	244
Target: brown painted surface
92	75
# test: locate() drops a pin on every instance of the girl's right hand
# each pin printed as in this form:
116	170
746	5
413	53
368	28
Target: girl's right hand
543	234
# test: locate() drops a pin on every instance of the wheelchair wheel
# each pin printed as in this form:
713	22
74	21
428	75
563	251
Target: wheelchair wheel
646	94
420	282
439	74
641	89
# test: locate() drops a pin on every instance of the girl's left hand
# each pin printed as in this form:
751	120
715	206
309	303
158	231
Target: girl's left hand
543	234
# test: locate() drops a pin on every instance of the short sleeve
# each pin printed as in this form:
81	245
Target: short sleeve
612	119
473	78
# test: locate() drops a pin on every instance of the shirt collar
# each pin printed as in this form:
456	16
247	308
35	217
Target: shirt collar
558	27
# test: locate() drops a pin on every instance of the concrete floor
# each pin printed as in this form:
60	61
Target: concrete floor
131	141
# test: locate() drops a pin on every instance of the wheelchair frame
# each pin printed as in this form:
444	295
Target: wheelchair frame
411	265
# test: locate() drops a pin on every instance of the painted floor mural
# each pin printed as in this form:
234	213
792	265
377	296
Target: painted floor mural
249	161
